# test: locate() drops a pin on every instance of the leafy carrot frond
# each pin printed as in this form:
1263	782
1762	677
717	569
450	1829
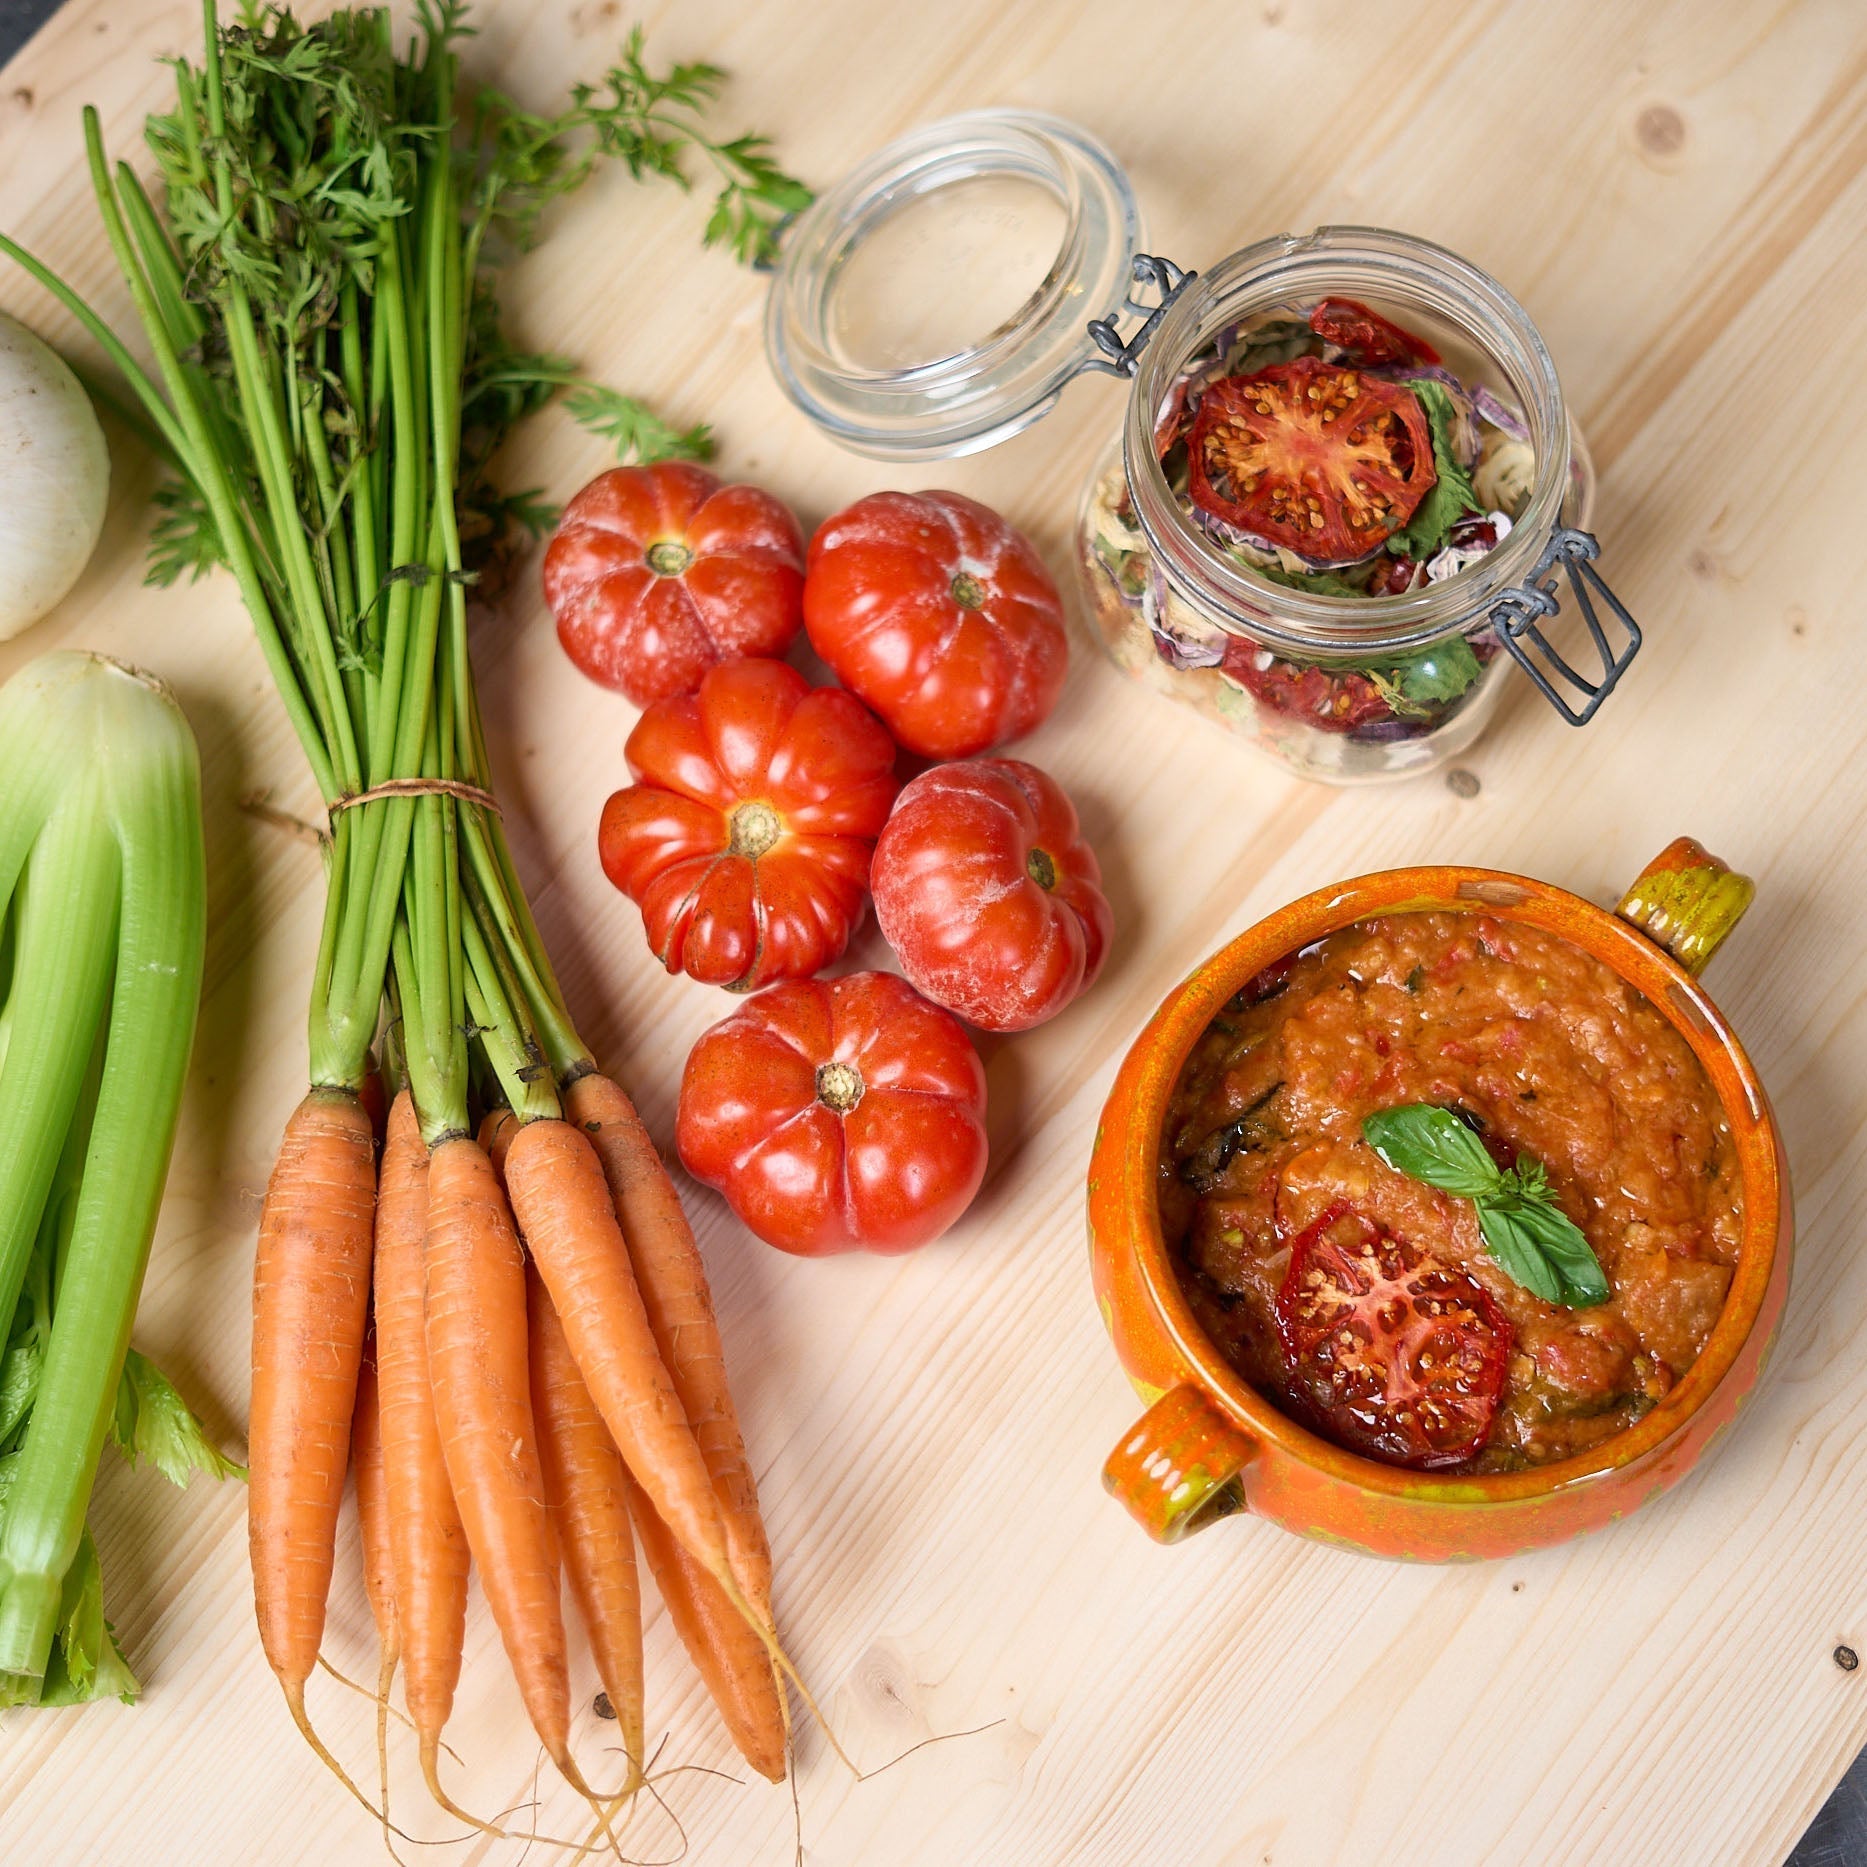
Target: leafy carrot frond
636	432
645	120
183	542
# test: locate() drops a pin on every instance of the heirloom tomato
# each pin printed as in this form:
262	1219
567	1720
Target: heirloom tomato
837	1115
987	892
940	616
656	574
746	837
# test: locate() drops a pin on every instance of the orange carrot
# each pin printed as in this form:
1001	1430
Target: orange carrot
673	1283
310	1303
373	1506
378	1559
496	1132
475	1277
562	1204
730	1657
590	1510
429	1546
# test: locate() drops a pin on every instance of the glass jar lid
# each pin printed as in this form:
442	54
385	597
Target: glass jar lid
937	299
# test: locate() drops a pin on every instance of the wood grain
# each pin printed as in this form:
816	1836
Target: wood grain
1679	192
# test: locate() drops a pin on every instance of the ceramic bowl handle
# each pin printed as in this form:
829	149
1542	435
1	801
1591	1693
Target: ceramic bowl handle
1686	900
1174	1469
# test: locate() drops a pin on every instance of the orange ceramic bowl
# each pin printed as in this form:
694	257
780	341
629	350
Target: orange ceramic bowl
1210	1444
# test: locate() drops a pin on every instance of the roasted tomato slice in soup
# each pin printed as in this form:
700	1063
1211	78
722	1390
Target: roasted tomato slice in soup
1366	339
1326	462
1400	1356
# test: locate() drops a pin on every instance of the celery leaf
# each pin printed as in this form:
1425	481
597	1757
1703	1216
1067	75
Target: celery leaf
152	1424
86	1662
19	1381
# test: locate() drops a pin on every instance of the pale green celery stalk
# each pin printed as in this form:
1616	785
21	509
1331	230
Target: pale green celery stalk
61	1206
6	983
151	1424
67	932
32	1316
85	1661
125	752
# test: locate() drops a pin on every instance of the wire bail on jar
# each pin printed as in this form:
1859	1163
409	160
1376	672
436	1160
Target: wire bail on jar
1518	612
1121	358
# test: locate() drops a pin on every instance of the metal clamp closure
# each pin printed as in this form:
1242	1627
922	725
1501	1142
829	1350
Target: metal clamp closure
1518	612
1123	359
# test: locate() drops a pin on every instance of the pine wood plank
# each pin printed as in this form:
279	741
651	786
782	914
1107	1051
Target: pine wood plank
1671	186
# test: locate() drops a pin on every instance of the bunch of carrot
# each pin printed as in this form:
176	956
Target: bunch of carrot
516	1404
330	379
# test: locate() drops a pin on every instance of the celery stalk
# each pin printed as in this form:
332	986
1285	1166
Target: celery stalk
67	919
110	925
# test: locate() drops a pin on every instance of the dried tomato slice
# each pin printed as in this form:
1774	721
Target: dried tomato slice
1321	460
1369	340
1400	1356
1333	702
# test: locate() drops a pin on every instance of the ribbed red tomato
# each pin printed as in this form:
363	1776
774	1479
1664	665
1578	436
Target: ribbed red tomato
837	1115
656	574
941	616
746	837
987	892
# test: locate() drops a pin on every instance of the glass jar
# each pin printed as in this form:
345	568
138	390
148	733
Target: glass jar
1341	688
944	294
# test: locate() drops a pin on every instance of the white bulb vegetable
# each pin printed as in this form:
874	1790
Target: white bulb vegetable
54	478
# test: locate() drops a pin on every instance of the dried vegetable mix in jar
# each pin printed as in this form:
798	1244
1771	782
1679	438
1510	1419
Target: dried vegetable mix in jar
1338	455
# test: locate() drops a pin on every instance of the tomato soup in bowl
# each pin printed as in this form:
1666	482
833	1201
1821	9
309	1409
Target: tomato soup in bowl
1440	1214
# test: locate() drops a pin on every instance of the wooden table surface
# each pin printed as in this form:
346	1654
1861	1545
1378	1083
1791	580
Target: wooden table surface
1679	194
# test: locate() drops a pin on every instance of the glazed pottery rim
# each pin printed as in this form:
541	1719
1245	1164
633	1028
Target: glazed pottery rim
1625	949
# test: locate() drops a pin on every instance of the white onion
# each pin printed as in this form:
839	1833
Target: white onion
54	478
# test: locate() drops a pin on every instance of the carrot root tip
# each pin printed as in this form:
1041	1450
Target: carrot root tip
385	1677
431	1748
781	1662
295	1702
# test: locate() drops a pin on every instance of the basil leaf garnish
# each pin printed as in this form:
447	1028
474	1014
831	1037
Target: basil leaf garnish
1432	1144
1534	1242
1567	1252
1514	1246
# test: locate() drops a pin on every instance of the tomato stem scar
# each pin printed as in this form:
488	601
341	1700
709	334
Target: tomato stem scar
755	827
968	592
1041	868
668	558
839	1086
